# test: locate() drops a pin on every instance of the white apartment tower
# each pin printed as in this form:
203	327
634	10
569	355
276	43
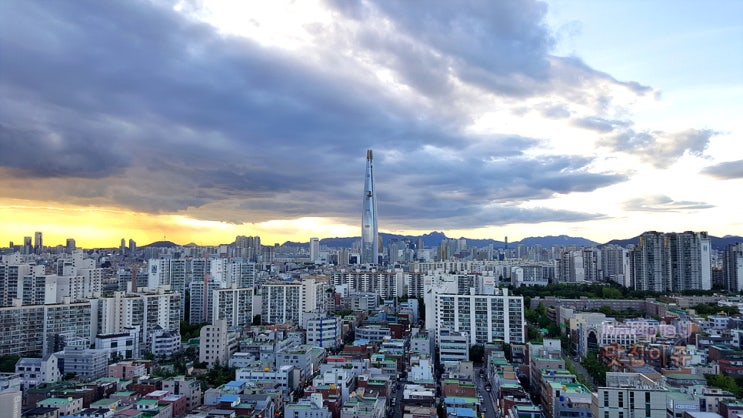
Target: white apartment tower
282	303
483	318
672	262
234	305
217	343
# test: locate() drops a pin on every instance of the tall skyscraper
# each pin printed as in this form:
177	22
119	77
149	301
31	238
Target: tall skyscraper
369	232
732	267
314	250
70	246
27	247
38	243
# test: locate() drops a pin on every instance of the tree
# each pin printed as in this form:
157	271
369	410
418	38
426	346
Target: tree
257	319
606	310
595	368
189	331
477	352
7	363
725	383
611	293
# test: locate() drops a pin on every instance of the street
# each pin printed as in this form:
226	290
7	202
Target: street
488	397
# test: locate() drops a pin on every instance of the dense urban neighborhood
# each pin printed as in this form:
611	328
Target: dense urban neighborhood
245	330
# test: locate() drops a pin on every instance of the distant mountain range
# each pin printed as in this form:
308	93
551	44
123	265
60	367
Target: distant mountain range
433	239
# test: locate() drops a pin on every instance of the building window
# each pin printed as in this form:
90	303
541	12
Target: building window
606	399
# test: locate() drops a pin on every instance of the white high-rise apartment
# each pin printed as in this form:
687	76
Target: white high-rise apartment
201	304
672	262
241	273
615	264
282	303
315	250
147	311
732	267
483	318
235	305
217	343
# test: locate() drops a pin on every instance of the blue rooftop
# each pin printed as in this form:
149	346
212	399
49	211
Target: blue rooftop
461	412
234	384
229	398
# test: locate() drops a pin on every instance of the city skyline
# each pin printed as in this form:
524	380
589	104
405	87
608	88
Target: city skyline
199	122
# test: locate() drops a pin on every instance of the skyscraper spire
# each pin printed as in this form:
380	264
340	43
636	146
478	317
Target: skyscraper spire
369	232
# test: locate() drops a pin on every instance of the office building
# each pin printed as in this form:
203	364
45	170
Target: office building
453	346
28	247
70	246
324	332
627	395
38	243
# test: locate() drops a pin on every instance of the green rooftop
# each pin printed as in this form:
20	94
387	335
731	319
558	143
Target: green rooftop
54	401
123	393
569	387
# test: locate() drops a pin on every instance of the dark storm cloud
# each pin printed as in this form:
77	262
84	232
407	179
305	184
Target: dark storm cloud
478	217
179	118
726	170
661	149
470	188
661	203
52	154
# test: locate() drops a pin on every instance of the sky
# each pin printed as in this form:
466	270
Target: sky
197	121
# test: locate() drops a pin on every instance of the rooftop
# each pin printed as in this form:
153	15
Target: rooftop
569	387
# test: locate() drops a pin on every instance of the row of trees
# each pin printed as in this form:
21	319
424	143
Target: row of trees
600	290
603	290
732	385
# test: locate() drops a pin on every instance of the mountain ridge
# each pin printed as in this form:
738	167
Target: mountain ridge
434	238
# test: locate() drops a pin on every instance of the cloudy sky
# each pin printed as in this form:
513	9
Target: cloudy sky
198	121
